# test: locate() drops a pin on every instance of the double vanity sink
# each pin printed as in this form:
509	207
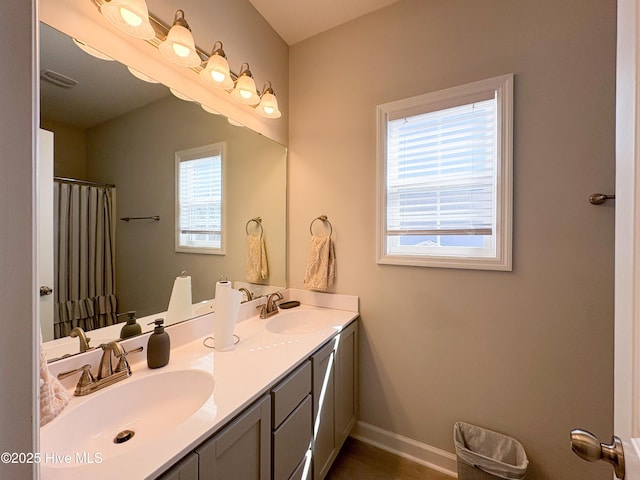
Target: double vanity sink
146	423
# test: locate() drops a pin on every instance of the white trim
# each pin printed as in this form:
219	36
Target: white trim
503	86
627	225
432	457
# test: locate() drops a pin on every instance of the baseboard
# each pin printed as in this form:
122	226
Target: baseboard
405	447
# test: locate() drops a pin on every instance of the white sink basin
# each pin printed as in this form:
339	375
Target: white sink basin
149	406
297	321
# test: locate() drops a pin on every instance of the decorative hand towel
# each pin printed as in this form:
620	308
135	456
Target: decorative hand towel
53	396
321	264
257	269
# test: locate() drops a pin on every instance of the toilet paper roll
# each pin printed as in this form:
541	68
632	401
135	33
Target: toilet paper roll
180	304
224	320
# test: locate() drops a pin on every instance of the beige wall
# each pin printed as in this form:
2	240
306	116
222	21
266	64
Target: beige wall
69	149
18	370
530	352
136	153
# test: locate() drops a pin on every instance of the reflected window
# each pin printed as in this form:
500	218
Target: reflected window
200	200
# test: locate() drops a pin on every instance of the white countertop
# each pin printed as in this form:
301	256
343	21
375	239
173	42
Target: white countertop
259	361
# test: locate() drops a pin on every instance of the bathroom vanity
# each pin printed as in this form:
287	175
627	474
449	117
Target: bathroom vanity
284	401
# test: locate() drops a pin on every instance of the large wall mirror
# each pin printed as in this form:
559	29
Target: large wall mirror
122	134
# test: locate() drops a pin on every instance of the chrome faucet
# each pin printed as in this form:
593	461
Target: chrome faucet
107	375
247	293
84	340
271	307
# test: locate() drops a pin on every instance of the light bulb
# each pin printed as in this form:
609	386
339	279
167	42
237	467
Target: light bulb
245	90
130	17
216	72
181	50
268	105
179	46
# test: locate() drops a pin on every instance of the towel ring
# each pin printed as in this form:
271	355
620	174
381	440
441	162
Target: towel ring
258	220
322	218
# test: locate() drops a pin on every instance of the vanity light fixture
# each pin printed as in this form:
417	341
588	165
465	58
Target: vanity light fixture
176	43
209	109
217	72
141	76
91	51
268	106
180	95
179	46
129	16
233	122
245	89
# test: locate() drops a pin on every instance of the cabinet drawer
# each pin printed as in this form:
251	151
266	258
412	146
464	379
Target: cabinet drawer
299	471
185	469
288	394
291	441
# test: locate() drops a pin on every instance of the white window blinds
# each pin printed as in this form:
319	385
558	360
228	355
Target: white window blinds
441	171
199	200
444	159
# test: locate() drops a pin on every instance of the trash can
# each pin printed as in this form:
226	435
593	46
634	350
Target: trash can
486	455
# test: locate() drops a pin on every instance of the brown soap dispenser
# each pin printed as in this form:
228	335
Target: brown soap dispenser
159	346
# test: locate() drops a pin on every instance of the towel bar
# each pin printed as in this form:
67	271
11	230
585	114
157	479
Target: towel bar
127	219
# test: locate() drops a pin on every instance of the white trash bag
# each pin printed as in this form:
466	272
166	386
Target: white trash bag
489	451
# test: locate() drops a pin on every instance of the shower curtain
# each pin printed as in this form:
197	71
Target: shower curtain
84	246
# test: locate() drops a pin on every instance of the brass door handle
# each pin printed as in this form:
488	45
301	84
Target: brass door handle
588	447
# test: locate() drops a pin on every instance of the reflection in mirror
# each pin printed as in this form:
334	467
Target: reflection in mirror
115	130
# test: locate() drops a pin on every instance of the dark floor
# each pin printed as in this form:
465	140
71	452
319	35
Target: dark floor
359	460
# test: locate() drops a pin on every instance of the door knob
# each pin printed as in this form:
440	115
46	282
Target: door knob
44	291
587	446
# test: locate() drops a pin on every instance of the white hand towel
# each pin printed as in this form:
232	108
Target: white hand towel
53	396
321	264
257	269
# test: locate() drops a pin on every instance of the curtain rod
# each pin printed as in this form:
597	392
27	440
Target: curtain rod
83	182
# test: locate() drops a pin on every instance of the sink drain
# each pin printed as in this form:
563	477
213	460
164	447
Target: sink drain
124	436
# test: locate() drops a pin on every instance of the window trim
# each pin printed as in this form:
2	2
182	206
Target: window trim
213	149
503	86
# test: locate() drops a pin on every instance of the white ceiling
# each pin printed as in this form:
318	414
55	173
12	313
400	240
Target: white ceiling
296	20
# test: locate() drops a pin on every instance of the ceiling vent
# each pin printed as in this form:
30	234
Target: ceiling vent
58	79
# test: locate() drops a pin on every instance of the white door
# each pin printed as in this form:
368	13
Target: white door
627	277
45	234
627	253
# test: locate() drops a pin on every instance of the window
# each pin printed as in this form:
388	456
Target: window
200	200
444	178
